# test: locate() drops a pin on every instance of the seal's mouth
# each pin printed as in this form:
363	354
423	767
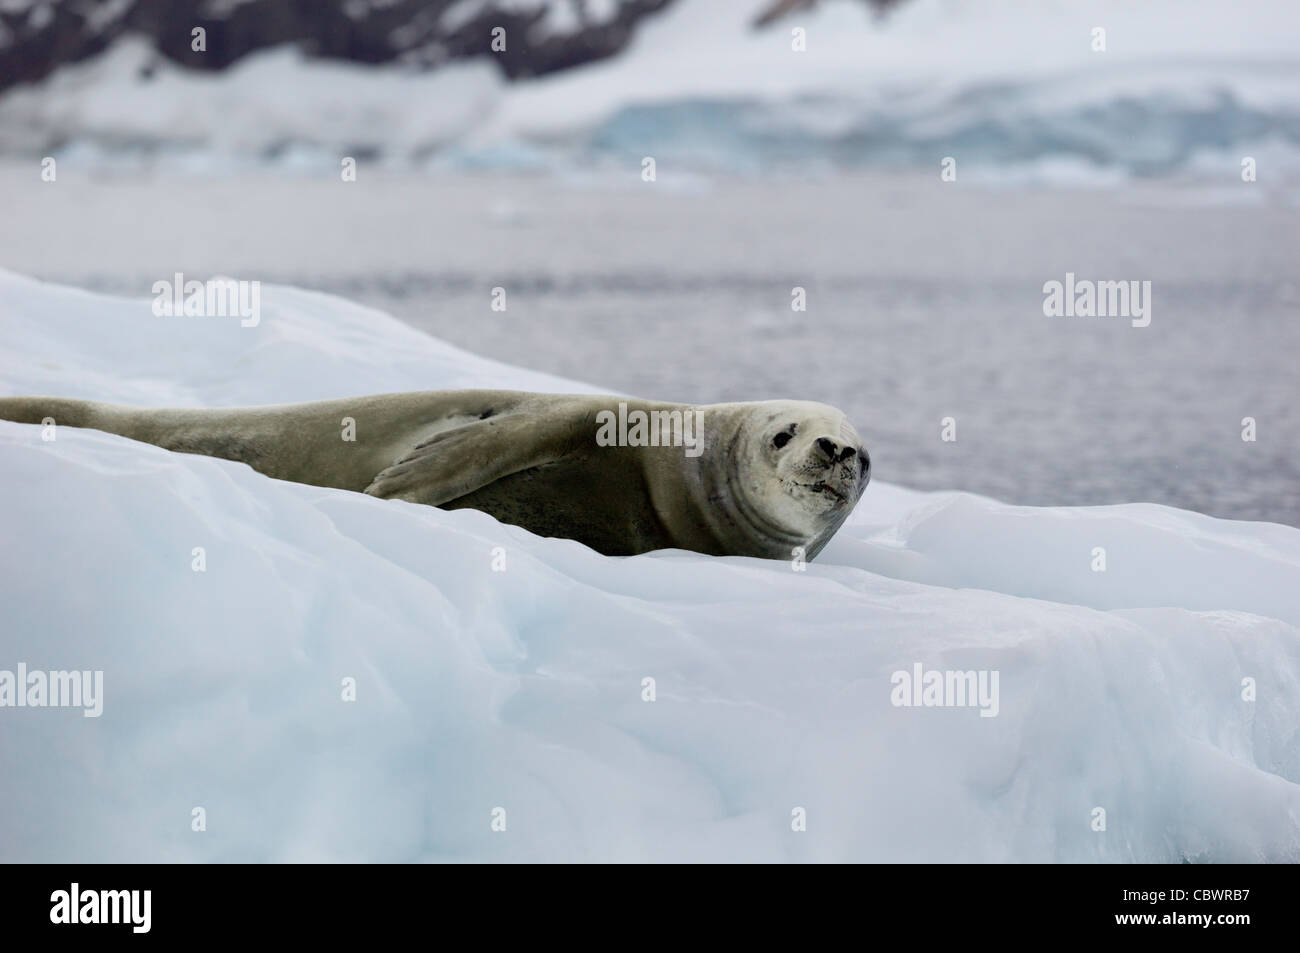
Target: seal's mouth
824	488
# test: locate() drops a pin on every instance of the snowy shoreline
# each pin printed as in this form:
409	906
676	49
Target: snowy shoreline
476	689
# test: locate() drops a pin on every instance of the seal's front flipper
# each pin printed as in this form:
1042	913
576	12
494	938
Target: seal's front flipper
463	459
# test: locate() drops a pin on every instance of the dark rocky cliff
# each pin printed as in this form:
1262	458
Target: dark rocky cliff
38	36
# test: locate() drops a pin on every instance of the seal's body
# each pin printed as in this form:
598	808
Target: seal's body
751	479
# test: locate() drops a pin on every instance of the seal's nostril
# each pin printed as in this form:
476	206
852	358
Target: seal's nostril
828	447
846	453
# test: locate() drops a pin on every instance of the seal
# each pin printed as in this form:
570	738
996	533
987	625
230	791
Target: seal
773	479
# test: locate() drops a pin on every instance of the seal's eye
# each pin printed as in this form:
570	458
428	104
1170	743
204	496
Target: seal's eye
780	440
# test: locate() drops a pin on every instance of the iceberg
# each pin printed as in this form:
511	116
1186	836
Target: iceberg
292	673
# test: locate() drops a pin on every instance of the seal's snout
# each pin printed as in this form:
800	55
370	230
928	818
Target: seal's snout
832	451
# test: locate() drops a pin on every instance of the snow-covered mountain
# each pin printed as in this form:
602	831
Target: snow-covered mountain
43	35
1169	87
541	36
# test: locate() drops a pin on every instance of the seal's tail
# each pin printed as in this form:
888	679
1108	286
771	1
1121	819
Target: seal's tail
35	410
234	434
130	422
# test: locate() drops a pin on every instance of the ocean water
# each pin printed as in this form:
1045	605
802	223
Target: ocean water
924	301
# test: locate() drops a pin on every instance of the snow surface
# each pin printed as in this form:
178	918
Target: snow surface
522	689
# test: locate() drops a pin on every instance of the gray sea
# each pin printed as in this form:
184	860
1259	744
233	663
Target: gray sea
924	301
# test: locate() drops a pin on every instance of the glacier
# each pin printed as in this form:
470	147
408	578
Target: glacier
1014	88
526	699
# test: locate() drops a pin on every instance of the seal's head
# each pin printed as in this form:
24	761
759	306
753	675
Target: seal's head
808	468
